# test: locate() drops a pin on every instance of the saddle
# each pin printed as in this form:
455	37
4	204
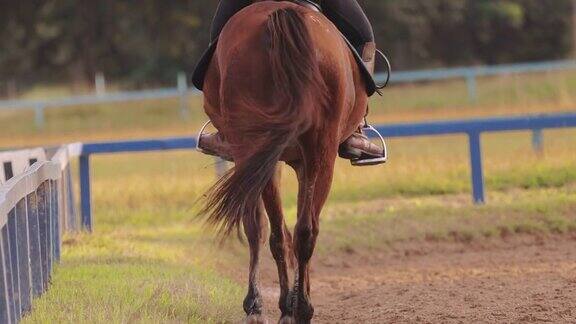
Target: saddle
202	67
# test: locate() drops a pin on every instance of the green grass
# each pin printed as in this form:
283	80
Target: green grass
386	222
149	275
149	260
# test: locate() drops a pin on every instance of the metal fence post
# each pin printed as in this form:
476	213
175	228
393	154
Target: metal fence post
85	195
34	245
39	115
538	141
13	244
472	86
6	309
476	167
43	235
70	200
183	91
56	211
49	229
23	247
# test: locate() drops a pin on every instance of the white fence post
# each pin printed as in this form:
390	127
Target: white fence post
472	86
100	84
183	91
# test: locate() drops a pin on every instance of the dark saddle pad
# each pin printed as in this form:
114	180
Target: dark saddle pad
202	67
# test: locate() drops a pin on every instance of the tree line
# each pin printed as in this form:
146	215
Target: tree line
148	41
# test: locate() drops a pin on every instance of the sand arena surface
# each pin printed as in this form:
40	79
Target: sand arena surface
502	281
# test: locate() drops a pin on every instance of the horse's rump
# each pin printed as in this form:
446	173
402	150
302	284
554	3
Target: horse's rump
268	99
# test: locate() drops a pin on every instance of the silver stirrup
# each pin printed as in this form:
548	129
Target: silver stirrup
378	160
199	138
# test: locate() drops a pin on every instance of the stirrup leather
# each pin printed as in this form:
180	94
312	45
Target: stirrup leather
373	161
388	71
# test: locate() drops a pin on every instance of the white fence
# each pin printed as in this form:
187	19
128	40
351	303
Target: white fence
182	91
36	206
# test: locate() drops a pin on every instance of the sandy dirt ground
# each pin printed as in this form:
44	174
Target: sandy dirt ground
502	281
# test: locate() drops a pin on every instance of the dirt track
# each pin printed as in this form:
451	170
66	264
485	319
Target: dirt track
513	281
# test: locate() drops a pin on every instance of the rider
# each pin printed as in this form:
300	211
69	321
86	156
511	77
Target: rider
351	20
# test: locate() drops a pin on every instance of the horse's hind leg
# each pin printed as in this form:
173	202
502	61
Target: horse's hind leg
255	233
280	240
315	179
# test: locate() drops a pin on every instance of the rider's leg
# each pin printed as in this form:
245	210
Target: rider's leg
215	144
351	20
226	9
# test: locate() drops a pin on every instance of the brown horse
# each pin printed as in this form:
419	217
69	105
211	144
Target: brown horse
283	74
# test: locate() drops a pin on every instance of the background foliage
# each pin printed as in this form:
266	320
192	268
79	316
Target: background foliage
148	41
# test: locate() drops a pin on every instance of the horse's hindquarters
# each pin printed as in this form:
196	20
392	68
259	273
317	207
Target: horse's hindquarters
282	86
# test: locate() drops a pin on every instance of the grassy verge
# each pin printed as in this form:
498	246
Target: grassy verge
380	223
153	264
151	275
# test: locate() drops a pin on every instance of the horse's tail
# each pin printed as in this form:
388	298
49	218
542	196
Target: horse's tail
299	94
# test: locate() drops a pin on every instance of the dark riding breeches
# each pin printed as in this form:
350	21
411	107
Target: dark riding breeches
226	9
347	15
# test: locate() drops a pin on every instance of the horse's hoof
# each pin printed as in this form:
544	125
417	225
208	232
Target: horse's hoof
256	319
287	320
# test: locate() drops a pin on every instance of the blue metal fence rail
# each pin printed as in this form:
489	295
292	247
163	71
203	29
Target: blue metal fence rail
472	128
469	74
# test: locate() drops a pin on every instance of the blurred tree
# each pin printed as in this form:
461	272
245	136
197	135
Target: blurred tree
495	28
148	41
